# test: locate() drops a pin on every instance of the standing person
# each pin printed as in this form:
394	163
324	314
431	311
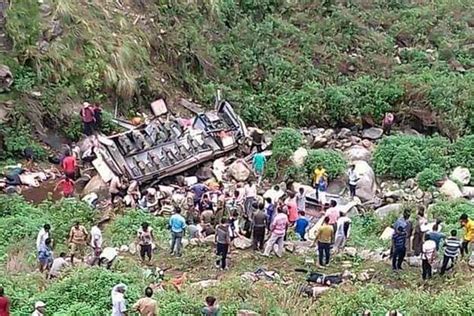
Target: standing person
387	123
222	243
270	211
145	241
259	223
69	165
419	232
119	306
343	229
4	303
88	119
198	189
67	187
352	180
468	225
97	117
292	207
301	200
58	264
324	238
45	255
40	309
177	225
399	240
211	308
301	226
428	256
43	234
322	189
406	224
146	306
318	173
333	214
258	164
278	230
250	193
451	252
96	242
78	241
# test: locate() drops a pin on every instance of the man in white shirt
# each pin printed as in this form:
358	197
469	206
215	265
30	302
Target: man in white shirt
353	178
43	234
428	256
343	229
96	242
250	193
119	306
58	264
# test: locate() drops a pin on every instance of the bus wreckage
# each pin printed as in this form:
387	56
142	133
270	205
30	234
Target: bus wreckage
166	147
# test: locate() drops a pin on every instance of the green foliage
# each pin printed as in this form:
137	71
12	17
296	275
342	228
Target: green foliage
429	176
17	139
331	160
463	153
449	211
405	156
73	129
285	143
25	32
124	228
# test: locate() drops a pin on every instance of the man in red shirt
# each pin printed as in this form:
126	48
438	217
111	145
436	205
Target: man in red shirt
4	304
67	187
69	165
88	118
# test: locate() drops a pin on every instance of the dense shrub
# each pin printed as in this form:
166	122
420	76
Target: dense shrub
463	153
405	156
449	211
331	160
429	176
285	143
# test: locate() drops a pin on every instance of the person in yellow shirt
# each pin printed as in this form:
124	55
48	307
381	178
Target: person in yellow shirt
318	173
468	225
324	237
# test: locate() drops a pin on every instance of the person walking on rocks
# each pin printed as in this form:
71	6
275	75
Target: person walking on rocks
250	192
301	200
387	123
342	231
352	180
96	242
318	173
69	165
324	238
78	241
177	225
222	243
451	252
88	118
278	229
399	240
119	306
258	164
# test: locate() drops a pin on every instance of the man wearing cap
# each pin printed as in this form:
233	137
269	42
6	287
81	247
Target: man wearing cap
40	309
88	118
119	306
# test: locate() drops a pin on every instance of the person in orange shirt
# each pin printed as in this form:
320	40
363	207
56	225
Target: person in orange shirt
67	187
69	165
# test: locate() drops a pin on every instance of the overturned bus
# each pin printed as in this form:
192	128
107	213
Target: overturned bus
163	148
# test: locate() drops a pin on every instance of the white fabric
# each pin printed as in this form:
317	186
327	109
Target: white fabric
428	250
37	313
40	240
352	177
340	226
118	304
96	237
109	253
250	190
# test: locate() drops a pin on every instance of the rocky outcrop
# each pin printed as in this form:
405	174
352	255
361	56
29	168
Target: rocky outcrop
372	133
387	209
366	186
461	175
358	152
6	43
299	157
451	190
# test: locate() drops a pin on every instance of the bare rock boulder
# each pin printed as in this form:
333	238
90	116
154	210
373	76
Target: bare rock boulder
461	174
372	133
451	190
6	78
358	152
239	171
299	156
366	186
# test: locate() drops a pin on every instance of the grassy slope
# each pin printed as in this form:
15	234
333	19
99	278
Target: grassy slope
289	64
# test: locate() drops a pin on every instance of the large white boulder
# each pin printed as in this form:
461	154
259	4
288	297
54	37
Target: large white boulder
239	171
299	157
451	190
358	152
96	185
468	192
366	186
461	175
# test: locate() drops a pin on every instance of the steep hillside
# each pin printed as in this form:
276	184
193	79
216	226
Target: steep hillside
283	62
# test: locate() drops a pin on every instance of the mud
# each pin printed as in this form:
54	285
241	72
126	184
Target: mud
41	193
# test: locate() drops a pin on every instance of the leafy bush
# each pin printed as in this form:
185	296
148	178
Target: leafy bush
333	161
463	153
429	176
405	156
17	139
73	128
285	143
449	211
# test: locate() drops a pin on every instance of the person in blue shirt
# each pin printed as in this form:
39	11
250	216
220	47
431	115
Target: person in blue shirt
399	240
177	225
45	255
301	225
